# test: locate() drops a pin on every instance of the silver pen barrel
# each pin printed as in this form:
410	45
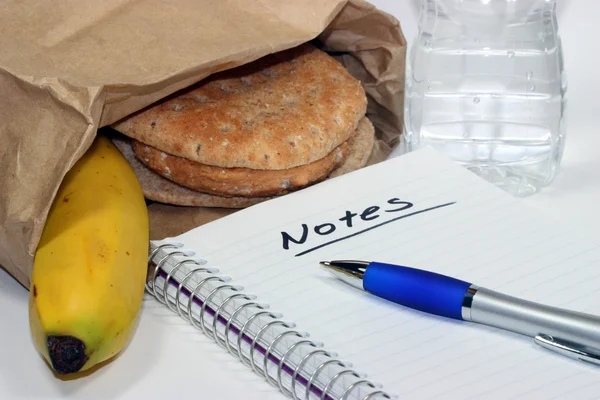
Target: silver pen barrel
495	309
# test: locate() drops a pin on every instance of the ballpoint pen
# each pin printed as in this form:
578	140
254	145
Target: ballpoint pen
572	334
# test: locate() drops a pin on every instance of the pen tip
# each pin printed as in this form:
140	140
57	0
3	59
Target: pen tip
325	263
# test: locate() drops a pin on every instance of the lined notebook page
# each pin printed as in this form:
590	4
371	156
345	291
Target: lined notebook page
423	211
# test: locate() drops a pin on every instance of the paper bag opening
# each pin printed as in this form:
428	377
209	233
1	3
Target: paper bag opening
86	66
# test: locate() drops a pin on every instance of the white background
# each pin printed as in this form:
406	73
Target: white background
573	198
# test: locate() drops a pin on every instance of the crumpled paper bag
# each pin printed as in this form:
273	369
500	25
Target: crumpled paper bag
70	67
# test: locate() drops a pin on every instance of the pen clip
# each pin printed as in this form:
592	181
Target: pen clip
561	347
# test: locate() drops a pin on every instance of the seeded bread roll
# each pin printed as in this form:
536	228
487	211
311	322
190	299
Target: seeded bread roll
284	110
244	182
362	146
160	189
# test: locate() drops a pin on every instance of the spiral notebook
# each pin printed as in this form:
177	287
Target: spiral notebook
258	292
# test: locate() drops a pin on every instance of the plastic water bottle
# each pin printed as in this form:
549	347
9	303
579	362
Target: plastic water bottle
485	84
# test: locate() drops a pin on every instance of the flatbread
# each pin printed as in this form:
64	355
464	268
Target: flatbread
245	182
286	109
242	182
159	189
362	147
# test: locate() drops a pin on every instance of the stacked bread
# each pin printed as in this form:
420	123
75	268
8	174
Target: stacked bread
244	135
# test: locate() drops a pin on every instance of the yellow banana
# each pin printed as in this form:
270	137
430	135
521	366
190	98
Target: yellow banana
90	265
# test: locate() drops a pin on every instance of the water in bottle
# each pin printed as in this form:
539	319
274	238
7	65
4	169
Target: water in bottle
485	84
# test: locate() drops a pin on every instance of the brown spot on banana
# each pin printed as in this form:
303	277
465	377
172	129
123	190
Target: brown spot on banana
67	354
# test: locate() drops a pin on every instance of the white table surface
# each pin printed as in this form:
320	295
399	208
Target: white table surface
573	198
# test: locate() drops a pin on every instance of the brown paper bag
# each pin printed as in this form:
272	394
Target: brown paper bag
69	67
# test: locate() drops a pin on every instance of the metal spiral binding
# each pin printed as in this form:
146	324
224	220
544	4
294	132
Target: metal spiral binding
236	350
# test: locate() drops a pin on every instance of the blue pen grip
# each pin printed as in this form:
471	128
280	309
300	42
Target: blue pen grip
421	290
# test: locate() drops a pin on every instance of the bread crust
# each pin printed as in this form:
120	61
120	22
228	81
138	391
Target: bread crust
360	149
284	110
159	189
243	182
163	190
